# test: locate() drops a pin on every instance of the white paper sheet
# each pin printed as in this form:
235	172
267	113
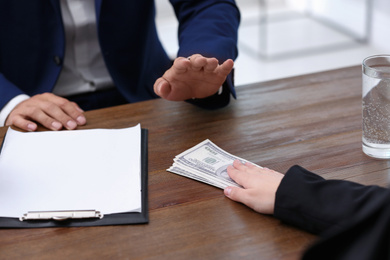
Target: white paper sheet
97	169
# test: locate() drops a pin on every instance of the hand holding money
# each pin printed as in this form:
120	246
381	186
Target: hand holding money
206	163
259	186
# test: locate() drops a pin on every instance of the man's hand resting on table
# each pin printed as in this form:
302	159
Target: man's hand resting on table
49	110
193	77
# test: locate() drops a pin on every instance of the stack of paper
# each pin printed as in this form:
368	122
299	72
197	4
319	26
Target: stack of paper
97	169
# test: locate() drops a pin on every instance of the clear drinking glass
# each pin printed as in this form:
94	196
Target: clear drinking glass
376	106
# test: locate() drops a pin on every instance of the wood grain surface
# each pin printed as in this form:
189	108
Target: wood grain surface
311	120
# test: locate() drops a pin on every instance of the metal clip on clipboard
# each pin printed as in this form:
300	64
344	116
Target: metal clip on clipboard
61	215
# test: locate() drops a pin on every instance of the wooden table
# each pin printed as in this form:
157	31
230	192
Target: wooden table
311	120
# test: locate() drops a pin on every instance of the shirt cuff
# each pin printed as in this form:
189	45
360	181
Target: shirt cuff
6	110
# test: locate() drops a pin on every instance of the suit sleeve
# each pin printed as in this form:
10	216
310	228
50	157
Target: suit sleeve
353	220
7	91
31	40
314	204
209	28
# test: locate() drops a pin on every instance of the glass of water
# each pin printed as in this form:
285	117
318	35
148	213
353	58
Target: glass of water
376	106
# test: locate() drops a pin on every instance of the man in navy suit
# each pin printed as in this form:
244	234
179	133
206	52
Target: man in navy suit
61	57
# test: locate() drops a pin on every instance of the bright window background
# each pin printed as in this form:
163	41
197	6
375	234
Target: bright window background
321	41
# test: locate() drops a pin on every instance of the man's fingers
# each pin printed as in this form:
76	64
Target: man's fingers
75	112
226	67
38	115
24	124
65	111
192	77
198	62
49	110
181	65
51	114
193	57
211	65
162	88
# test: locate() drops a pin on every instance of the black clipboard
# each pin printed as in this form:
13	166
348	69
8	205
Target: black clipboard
125	218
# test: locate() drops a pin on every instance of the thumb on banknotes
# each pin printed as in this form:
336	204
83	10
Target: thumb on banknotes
234	193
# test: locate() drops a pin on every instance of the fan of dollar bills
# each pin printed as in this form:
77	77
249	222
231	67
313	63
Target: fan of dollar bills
207	163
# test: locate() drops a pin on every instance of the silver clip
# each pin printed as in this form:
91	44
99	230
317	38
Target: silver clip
61	215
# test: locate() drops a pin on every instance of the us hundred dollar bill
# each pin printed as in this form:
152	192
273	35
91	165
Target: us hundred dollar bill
206	162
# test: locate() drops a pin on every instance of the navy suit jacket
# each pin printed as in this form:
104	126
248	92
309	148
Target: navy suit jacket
32	42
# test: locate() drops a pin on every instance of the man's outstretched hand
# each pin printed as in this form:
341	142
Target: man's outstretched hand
192	77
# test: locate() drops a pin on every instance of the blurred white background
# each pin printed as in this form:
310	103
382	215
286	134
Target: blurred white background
282	38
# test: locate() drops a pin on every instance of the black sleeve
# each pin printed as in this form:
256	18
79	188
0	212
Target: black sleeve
314	204
353	220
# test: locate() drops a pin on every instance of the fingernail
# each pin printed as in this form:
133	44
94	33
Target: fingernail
227	191
158	88
31	127
56	125
71	124
81	120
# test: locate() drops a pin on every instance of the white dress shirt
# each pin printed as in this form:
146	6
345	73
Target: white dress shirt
83	69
